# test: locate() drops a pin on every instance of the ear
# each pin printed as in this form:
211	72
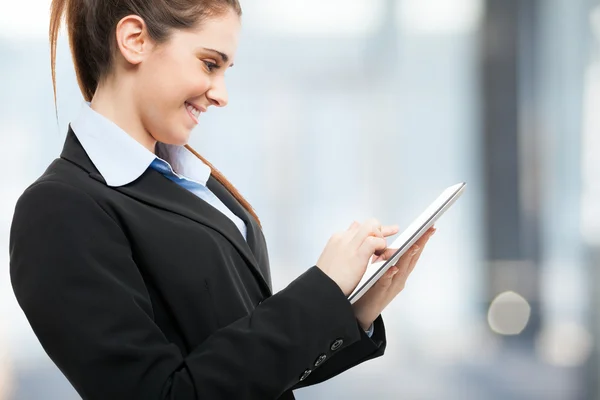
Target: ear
133	41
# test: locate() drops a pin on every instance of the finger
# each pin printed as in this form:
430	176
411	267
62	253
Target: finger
351	232
387	279
389	252
389	230
415	259
430	231
404	261
422	241
408	264
405	268
386	231
371	227
370	245
385	255
393	271
425	238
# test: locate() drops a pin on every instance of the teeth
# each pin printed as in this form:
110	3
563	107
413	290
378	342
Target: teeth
193	110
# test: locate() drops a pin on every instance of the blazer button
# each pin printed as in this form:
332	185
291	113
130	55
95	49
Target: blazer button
305	374
337	344
320	360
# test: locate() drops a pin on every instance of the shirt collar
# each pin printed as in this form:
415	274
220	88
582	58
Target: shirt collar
184	162
120	159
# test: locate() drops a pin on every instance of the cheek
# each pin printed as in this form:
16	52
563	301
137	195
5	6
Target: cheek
157	109
171	89
161	98
196	85
155	86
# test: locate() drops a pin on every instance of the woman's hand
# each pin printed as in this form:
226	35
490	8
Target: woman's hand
372	303
347	253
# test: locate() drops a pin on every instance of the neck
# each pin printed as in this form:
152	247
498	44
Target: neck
113	101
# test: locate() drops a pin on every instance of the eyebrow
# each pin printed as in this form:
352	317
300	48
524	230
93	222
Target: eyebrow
224	57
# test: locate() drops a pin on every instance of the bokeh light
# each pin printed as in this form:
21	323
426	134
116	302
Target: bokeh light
509	313
564	344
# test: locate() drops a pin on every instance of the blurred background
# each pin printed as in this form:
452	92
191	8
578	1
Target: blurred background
345	109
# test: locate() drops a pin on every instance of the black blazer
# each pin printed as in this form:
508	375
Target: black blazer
146	292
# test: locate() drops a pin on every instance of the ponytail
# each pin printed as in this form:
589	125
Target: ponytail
74	13
221	178
56	12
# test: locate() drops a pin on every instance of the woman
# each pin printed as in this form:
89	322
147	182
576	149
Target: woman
141	269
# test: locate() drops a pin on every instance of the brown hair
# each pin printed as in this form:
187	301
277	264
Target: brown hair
91	28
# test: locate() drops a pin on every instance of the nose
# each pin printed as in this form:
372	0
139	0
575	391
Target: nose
217	94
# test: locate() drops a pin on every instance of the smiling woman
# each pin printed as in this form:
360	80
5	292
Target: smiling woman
142	271
108	46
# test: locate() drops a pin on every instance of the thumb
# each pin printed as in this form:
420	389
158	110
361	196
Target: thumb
384	255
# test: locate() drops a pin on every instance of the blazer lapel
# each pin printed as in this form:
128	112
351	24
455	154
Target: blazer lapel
154	189
254	236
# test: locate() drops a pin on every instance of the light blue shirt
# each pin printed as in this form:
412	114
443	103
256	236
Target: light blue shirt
121	159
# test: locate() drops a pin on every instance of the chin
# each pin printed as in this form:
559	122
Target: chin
177	138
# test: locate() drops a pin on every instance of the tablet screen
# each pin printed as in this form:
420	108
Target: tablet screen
407	238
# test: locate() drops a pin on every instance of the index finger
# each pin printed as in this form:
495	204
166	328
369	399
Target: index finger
389	230
370	227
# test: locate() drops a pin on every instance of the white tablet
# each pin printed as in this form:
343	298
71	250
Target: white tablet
407	238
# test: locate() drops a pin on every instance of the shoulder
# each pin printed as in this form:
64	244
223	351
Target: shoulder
62	171
65	181
56	215
64	189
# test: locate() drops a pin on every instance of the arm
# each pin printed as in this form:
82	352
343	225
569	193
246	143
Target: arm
74	277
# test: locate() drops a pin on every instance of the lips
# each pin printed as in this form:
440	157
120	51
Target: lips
193	111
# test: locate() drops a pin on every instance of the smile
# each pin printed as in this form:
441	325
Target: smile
193	111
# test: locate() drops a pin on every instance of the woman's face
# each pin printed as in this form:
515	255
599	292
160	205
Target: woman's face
181	78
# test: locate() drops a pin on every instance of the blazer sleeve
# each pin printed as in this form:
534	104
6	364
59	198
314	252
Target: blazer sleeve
358	352
73	275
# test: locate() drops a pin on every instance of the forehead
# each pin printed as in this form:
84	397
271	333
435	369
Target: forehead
219	33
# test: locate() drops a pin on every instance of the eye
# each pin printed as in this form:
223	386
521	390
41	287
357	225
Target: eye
211	66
